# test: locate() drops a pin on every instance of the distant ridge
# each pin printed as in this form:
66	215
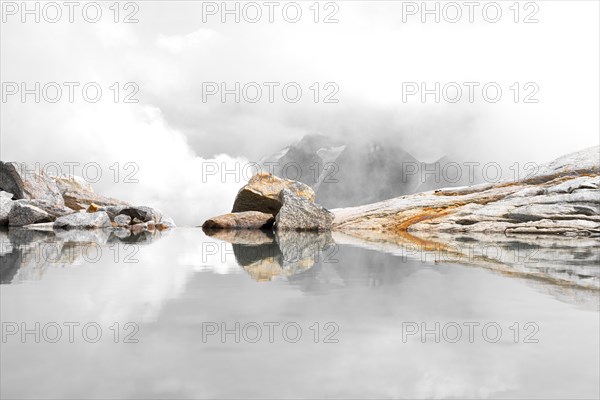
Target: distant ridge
348	174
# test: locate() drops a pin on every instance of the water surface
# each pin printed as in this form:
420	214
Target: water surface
361	299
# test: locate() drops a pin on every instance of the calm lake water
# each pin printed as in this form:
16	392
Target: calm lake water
157	319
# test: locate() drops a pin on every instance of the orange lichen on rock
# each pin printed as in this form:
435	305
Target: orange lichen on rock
423	214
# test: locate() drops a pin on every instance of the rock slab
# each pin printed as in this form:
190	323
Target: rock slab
241	220
563	198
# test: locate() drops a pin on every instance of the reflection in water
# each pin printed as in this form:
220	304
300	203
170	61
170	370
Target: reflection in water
369	289
265	255
25	254
562	260
311	261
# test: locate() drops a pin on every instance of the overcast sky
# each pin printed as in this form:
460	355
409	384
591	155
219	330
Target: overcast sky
368	55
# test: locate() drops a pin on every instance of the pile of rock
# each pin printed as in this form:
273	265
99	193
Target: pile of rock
270	202
29	197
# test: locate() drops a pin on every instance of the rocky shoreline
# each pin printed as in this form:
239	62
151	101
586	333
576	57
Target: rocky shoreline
561	198
544	227
31	199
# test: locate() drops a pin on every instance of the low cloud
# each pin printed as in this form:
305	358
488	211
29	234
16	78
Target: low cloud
141	158
181	43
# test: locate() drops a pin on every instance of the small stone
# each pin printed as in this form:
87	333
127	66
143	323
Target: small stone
92	208
122	220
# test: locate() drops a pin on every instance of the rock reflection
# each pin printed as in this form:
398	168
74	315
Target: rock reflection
25	254
265	255
559	259
567	268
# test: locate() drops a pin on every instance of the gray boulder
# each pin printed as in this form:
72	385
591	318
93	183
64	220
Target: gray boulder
262	192
26	181
297	213
6	204
53	209
83	220
23	212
